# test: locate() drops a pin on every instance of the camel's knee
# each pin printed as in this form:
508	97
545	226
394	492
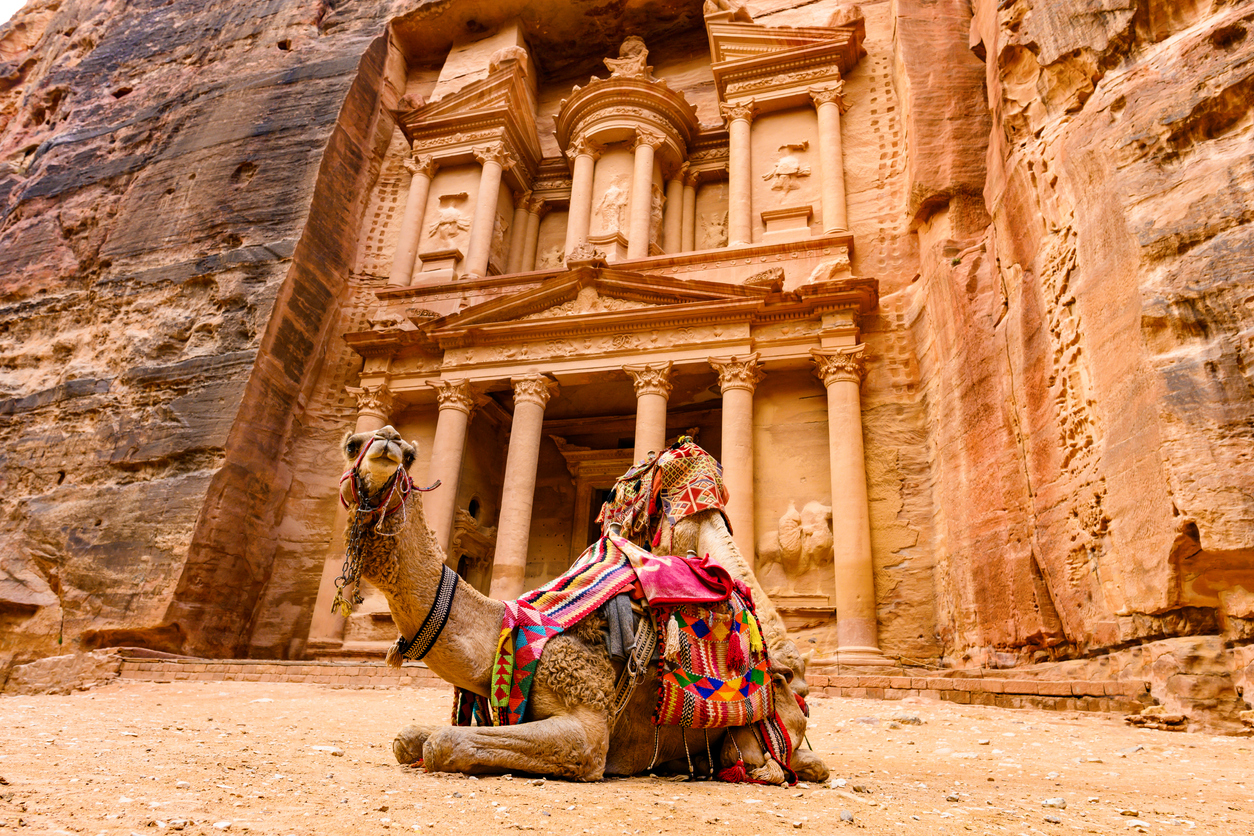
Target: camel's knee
809	767
407	745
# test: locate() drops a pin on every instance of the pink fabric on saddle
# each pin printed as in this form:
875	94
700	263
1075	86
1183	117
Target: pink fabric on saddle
671	579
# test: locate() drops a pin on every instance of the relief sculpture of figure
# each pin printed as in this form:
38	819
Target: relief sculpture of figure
655	215
787	169
802	545
449	222
632	60
612	206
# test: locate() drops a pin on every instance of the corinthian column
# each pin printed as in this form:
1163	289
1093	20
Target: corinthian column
457	400
688	231
857	632
737	378
739	173
374	408
579	218
495	159
653	388
518	233
673	213
509	565
640	219
421	169
830	102
536	210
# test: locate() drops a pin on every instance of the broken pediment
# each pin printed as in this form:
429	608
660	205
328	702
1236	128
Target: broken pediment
750	59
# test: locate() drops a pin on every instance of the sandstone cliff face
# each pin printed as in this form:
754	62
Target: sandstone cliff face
1086	355
160	309
1057	416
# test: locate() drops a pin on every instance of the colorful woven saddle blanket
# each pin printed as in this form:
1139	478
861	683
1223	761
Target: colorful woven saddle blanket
682	481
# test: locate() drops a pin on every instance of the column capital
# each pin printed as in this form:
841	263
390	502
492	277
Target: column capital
737	372
691	177
841	364
681	173
581	146
651	138
522	199
373	400
831	94
538	206
534	388
455	394
651	378
494	153
738	110
423	164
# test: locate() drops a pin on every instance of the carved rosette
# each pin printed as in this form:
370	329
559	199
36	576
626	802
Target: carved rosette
831	94
651	379
494	153
534	388
737	372
423	164
454	394
373	400
645	136
582	147
738	110
840	365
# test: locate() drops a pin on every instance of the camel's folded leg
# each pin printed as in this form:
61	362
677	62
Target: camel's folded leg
408	743
570	745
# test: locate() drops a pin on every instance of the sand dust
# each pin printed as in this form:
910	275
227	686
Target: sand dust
263	758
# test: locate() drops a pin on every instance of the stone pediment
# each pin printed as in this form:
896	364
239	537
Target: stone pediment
747	56
588	297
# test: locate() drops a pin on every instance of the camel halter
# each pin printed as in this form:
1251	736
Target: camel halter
392	498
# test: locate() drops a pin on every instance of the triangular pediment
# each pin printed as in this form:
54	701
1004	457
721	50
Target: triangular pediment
735	41
590	295
748	56
480	109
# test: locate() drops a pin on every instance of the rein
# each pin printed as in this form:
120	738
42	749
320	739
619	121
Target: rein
392	498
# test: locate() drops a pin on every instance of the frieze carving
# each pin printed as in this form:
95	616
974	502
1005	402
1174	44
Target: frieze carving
769	276
578	345
587	302
454	394
421	313
737	372
783	79
423	164
551	186
455	139
651	378
373	400
534	388
840	365
708	154
584	253
494	153
738	110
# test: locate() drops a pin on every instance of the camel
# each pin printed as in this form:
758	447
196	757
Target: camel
567	728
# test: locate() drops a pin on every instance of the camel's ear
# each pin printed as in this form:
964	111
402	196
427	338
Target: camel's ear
781	673
352	445
411	453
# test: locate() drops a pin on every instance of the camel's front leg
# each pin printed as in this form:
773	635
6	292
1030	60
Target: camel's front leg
571	745
408	743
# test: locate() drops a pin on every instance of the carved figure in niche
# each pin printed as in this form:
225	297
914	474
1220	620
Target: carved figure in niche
740	11
655	215
500	237
713	231
632	60
613	205
787	169
793	557
551	258
449	221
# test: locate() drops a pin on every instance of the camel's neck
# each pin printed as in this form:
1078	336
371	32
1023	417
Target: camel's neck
406	569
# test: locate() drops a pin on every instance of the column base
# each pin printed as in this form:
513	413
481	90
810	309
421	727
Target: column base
859	656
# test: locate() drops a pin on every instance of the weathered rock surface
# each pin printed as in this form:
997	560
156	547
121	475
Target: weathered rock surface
1058	419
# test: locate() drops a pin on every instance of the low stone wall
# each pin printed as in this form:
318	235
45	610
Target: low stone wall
334	674
1120	696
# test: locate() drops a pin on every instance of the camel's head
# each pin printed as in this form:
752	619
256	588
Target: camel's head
376	456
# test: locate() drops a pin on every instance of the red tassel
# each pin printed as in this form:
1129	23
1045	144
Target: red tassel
735	653
734	774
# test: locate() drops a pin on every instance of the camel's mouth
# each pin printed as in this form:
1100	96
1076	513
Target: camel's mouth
385	448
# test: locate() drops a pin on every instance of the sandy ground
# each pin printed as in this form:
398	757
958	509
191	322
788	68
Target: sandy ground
276	759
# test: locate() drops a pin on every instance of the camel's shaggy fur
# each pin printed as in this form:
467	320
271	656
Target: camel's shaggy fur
566	728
